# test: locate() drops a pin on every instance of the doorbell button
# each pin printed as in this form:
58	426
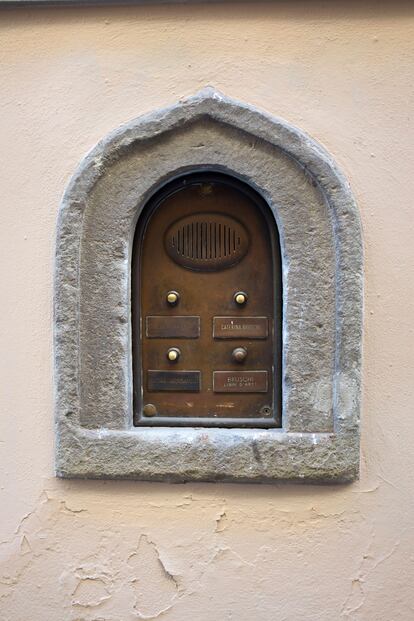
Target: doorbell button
172	298
240	298
173	354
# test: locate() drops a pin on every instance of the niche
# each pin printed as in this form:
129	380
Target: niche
206	306
208	303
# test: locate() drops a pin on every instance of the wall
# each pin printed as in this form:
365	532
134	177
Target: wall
119	551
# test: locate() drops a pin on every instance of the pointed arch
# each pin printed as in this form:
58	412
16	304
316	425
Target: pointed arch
321	252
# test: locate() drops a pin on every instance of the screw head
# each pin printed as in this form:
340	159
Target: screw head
266	410
240	298
206	188
149	409
172	298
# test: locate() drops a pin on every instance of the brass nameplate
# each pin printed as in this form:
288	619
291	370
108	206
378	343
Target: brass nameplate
173	381
175	327
240	327
240	381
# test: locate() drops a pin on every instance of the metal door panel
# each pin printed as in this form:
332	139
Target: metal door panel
206	242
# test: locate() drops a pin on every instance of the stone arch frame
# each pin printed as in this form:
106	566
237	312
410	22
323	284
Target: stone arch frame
321	249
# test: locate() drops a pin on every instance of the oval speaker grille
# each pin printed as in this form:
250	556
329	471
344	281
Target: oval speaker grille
206	242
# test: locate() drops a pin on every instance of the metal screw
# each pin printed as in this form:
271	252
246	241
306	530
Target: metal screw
206	188
150	409
266	410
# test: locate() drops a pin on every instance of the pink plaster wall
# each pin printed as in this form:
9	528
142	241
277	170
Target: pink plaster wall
118	551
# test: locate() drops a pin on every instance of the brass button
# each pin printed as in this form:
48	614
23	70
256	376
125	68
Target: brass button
239	354
150	409
172	298
240	298
173	354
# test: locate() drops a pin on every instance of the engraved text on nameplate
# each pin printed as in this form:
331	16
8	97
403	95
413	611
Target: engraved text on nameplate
241	381
164	327
173	381
240	327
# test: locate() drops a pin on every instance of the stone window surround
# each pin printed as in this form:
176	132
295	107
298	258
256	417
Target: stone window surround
321	250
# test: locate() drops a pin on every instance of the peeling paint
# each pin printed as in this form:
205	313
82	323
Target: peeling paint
154	586
221	521
90	591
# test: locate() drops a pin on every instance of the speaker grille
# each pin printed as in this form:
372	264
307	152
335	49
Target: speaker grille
206	242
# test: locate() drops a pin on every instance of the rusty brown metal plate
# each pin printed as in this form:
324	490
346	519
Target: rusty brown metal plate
207	239
240	327
173	381
162	327
240	381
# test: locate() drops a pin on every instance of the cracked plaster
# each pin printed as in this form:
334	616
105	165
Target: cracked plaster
105	561
306	548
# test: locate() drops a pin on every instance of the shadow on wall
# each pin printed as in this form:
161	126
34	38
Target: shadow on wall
204	10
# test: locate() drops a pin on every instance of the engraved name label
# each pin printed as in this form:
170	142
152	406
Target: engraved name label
240	327
241	381
173	381
165	326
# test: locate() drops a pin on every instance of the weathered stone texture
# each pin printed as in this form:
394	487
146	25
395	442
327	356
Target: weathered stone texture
322	293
